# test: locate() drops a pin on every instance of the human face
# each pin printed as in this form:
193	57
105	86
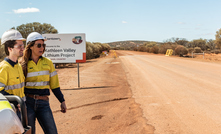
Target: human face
36	51
18	48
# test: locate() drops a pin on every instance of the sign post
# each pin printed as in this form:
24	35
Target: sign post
66	48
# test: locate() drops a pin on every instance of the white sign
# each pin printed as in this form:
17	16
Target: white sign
65	48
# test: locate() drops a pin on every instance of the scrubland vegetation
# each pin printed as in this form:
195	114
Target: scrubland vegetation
180	46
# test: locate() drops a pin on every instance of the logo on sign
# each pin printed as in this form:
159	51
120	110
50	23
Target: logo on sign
53	38
77	40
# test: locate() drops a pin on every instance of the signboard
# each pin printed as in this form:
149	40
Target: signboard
65	48
169	52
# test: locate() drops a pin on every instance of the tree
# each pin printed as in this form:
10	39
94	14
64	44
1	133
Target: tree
178	41
26	29
199	43
182	41
210	44
218	39
2	52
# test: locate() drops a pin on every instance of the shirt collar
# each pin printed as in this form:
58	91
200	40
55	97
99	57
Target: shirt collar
12	63
39	58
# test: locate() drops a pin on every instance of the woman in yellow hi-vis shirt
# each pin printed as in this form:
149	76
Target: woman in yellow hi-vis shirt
40	77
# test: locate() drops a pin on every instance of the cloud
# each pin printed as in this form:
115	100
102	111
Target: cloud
124	22
182	23
26	10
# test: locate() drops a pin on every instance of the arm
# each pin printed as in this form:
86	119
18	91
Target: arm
55	87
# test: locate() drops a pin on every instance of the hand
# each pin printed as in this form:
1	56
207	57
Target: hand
63	107
19	108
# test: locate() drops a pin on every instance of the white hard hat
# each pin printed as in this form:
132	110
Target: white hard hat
11	34
34	36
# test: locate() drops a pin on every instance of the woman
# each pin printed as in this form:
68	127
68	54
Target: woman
40	76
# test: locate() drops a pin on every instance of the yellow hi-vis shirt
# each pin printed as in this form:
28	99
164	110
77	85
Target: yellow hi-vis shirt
12	78
41	77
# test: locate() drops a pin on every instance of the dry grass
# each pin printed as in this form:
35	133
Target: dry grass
209	58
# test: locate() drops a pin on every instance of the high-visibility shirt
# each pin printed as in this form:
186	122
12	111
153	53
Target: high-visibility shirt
41	77
11	78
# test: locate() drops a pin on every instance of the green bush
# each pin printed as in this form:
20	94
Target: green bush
181	50
197	50
94	50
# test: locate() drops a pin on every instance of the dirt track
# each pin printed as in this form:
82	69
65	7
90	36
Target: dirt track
140	93
177	95
103	104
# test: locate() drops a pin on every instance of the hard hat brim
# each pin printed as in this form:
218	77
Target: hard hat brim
23	39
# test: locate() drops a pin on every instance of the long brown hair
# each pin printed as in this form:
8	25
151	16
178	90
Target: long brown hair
25	58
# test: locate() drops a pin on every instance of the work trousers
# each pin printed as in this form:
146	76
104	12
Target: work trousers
41	110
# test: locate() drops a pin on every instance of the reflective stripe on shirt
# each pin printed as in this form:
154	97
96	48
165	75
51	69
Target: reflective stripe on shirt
53	74
42	83
2	85
17	86
32	74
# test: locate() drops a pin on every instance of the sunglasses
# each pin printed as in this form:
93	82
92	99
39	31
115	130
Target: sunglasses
39	45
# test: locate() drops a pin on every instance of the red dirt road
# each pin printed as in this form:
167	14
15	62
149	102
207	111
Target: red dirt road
140	93
103	104
177	95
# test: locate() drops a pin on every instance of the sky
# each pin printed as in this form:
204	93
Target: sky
118	20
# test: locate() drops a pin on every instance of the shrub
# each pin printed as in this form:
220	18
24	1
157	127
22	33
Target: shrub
197	50
89	51
2	52
190	50
163	48
148	49
181	50
142	49
150	44
217	51
154	49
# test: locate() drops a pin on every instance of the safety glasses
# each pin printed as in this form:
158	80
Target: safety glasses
19	46
39	45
